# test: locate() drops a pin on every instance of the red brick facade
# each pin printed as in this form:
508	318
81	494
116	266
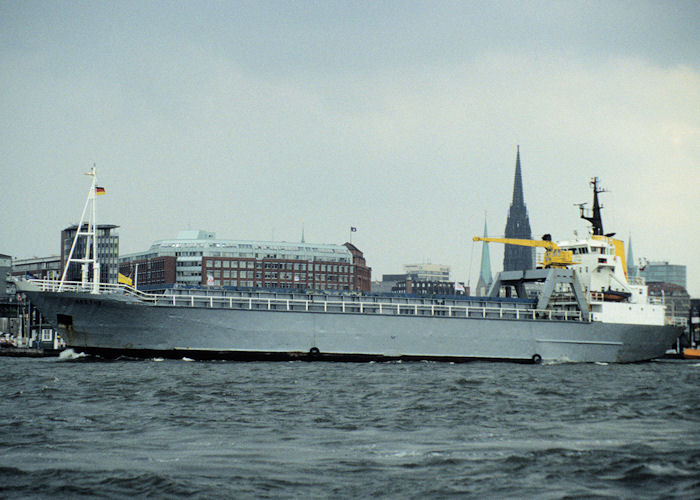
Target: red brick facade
155	271
363	274
277	273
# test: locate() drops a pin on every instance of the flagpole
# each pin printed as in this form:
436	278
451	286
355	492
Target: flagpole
95	263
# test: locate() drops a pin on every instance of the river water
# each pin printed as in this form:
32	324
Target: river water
125	428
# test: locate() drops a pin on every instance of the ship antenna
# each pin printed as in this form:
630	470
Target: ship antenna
594	218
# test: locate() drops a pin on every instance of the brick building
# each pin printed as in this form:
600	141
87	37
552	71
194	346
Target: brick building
199	258
159	270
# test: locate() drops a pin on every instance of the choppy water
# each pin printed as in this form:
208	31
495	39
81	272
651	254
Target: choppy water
225	429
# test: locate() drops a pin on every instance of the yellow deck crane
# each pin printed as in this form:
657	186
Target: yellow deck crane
553	256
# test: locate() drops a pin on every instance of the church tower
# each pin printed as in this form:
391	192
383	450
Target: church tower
517	258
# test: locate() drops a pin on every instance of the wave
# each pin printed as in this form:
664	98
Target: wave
71	355
70	483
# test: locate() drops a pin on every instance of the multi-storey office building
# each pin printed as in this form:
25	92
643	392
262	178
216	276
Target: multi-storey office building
199	258
421	287
663	272
5	268
428	272
422	279
676	299
39	267
107	252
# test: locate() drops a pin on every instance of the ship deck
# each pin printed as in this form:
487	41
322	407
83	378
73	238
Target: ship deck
323	302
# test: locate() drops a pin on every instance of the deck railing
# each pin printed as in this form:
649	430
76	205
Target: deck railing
331	305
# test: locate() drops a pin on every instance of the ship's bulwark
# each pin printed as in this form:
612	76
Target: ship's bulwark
113	325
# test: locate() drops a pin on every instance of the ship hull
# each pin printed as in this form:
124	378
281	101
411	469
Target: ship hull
113	326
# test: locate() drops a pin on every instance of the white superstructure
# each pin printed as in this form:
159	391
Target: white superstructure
599	262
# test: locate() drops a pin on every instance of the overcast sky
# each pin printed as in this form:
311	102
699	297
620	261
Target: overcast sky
251	119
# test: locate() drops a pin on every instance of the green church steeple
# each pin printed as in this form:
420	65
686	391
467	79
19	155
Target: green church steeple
485	276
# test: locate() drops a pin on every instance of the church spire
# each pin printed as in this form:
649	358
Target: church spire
516	258
518	198
485	277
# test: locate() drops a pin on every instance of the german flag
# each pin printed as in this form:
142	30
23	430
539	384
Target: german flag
100	190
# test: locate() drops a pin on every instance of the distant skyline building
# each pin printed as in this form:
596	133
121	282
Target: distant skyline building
423	279
107	252
663	272
676	299
485	275
422	287
428	272
516	258
5	267
46	268
632	269
362	274
199	258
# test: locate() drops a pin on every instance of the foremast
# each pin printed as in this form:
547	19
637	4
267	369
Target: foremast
90	234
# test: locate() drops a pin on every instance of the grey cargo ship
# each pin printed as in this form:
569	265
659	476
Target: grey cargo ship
579	306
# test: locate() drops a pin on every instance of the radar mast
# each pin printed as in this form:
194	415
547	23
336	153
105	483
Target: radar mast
594	218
